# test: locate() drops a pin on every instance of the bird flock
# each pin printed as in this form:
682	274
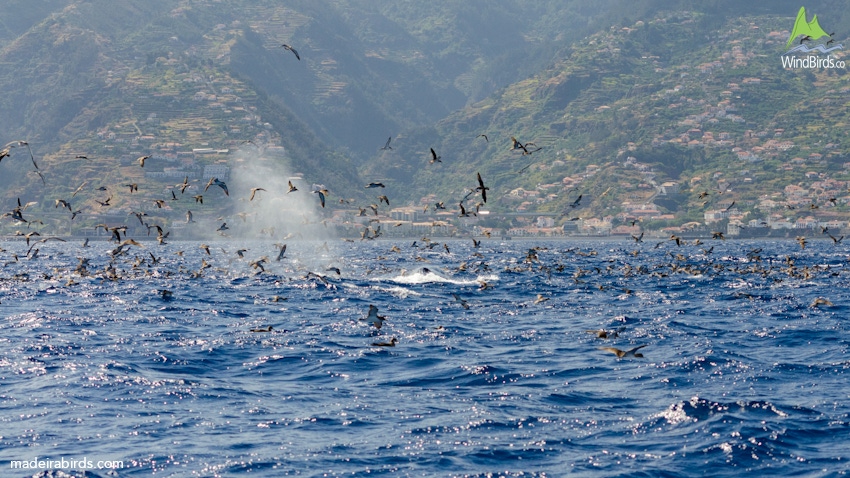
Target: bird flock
127	261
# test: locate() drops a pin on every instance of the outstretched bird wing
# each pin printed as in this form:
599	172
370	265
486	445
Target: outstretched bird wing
287	47
482	187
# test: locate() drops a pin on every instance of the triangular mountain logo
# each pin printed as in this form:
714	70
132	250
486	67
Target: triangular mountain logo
811	29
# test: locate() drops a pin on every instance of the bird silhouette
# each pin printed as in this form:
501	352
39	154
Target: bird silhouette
575	203
481	187
391	343
321	193
254	191
183	185
625	353
374	318
287	47
63	203
217	182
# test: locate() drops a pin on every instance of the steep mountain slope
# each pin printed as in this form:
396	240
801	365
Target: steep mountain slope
677	98
113	79
660	83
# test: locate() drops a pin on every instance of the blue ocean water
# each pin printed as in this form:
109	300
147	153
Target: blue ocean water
742	374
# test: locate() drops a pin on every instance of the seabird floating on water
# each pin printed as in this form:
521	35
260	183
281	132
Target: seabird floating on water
391	343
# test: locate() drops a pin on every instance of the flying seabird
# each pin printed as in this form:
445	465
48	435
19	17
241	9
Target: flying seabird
625	353
38	173
517	145
79	188
291	188
142	159
524	147
462	302
5	152
63	203
485	137
183	185
375	185
254	191
217	182
374	318
280	254
387	146
287	47
434	157
30	234
321	193
131	242
482	188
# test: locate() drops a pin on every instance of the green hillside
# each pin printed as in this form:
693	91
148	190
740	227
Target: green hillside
621	97
675	98
114	80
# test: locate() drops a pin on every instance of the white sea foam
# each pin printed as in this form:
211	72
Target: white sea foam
422	277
